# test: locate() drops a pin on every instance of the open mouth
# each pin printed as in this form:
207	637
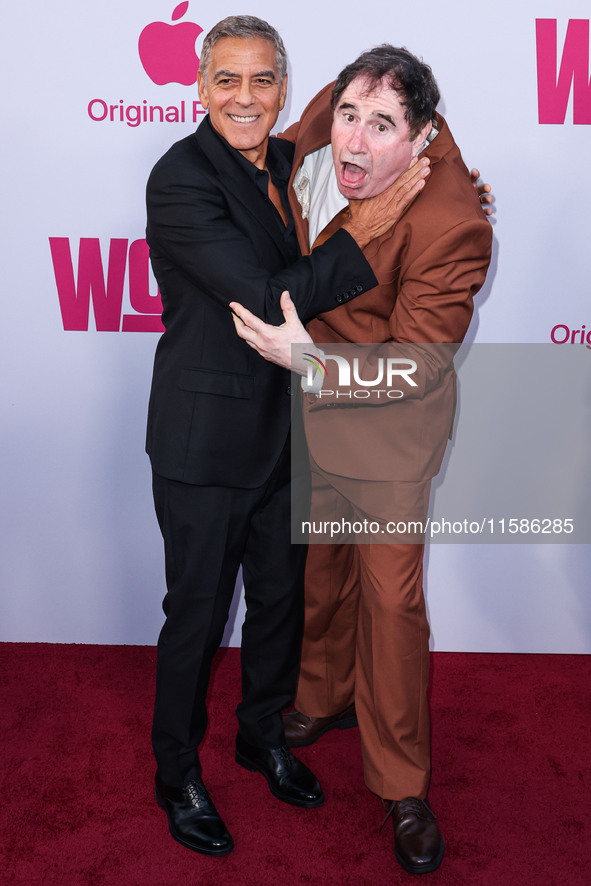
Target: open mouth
352	175
238	119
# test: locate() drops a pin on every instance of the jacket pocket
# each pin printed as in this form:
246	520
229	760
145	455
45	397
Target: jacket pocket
222	384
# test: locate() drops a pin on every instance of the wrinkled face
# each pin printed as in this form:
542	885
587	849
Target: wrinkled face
370	138
243	93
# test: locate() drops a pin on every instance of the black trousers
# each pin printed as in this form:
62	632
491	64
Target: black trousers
208	532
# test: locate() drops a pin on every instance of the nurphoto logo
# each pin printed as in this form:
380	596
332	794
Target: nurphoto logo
360	378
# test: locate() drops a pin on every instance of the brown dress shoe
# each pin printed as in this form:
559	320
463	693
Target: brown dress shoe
418	844
301	730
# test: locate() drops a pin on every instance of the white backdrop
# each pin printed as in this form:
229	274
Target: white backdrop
81	557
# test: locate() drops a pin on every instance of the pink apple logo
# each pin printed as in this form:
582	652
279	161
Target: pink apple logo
167	52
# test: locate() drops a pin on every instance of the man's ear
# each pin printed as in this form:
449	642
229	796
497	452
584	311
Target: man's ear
418	142
202	90
283	93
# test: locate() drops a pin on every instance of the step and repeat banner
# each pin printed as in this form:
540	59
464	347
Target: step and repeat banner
93	96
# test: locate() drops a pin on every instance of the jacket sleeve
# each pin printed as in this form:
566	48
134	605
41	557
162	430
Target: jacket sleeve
190	231
436	290
431	313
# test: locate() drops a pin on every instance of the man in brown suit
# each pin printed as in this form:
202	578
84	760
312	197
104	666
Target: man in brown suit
366	638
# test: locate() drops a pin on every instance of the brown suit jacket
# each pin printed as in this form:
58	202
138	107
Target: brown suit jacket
429	267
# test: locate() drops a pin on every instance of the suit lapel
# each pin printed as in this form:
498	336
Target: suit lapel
242	188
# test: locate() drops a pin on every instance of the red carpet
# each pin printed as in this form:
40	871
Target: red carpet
511	784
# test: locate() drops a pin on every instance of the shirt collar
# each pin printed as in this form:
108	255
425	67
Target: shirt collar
278	165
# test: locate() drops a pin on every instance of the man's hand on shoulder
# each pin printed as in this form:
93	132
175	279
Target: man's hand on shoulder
372	217
484	192
273	342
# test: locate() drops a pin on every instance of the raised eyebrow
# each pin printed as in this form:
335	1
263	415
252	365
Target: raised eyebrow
385	117
349	106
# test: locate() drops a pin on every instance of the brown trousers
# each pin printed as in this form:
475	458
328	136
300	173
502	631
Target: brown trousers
366	636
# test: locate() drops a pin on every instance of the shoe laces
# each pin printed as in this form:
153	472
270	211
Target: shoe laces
286	755
408	806
197	793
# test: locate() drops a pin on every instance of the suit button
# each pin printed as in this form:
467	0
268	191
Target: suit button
289	392
339	298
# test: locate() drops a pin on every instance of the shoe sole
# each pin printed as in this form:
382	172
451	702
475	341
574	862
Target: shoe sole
252	767
422	869
347	723
176	836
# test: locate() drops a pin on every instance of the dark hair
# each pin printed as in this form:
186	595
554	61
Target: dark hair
243	27
407	75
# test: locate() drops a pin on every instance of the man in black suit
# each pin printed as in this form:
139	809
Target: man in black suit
220	227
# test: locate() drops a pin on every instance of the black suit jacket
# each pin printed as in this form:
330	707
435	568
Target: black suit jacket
219	413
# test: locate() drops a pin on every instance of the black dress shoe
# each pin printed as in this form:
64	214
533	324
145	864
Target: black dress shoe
418	844
301	730
193	820
288	778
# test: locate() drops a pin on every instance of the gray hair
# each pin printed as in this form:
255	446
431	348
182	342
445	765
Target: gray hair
243	27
